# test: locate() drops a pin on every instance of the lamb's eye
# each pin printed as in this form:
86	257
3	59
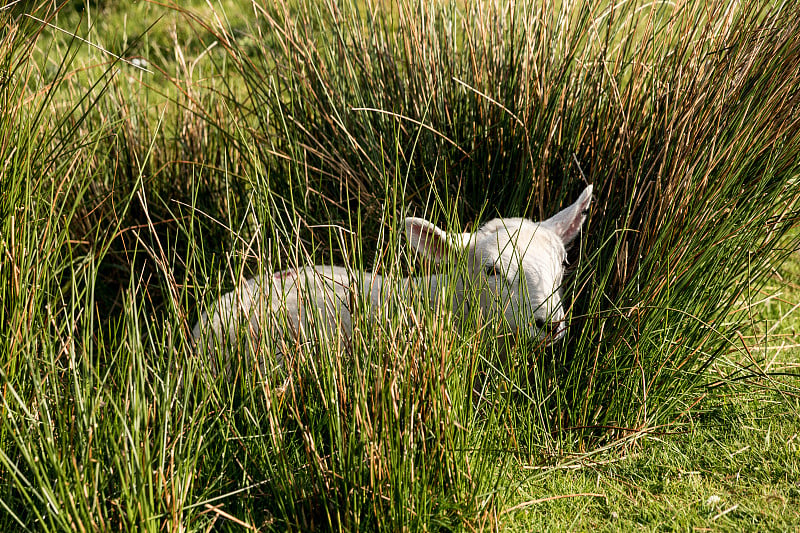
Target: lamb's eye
493	270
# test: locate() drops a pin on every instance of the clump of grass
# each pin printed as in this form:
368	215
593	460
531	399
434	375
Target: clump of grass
683	116
89	400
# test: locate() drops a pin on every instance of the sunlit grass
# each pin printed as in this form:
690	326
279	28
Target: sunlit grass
271	134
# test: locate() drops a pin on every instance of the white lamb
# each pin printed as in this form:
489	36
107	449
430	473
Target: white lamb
514	270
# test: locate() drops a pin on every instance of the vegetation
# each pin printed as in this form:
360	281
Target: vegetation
144	172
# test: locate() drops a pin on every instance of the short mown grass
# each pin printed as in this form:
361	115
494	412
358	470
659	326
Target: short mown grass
266	134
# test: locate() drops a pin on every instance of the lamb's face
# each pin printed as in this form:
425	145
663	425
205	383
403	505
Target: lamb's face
518	266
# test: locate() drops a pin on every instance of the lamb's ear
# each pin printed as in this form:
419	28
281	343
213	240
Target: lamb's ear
431	241
567	222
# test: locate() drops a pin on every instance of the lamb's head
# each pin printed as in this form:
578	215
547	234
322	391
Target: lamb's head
515	266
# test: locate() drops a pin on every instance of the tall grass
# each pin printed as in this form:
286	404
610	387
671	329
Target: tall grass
91	424
683	116
126	209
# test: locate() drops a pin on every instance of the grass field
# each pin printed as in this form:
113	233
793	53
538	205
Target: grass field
154	155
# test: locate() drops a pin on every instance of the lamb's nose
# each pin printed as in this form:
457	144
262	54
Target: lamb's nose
540	322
